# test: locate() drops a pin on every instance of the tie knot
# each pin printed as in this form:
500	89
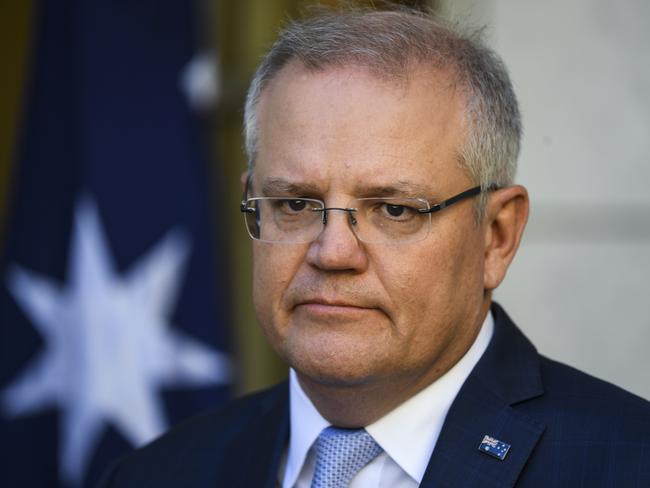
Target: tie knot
340	455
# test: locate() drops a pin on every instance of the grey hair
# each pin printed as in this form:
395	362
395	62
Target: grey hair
391	44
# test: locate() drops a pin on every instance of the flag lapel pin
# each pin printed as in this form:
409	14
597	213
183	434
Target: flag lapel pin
494	447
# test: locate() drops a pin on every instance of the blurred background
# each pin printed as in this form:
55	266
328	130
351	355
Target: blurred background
120	157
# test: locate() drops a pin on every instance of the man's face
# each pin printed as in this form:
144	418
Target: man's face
340	311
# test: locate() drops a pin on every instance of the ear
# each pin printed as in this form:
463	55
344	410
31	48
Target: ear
506	216
243	178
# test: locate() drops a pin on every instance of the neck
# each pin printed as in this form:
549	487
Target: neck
349	406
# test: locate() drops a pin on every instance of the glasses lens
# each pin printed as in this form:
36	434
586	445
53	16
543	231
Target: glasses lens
386	220
291	220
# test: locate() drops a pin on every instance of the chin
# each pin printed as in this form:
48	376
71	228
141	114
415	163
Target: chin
335	365
339	378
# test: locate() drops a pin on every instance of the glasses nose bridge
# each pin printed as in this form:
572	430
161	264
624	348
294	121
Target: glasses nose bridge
350	224
349	210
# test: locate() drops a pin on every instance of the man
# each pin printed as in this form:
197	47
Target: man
381	203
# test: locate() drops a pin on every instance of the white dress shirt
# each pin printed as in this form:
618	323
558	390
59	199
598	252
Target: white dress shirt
407	434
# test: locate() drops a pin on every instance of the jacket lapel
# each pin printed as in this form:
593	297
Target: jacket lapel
507	374
257	453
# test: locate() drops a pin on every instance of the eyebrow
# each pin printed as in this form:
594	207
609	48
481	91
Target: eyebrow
401	188
279	186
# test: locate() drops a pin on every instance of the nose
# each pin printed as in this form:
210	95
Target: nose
337	247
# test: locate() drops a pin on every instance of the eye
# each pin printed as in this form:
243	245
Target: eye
395	210
296	205
293	206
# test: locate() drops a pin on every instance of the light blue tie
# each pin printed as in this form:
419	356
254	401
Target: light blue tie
340	455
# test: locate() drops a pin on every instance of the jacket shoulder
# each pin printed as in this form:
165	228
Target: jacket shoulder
575	392
595	433
197	448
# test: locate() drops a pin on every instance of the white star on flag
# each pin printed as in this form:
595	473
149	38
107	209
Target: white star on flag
109	344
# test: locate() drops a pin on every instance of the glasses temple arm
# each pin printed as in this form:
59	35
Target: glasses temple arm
472	192
242	207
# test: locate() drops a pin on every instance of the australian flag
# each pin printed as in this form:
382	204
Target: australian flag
113	317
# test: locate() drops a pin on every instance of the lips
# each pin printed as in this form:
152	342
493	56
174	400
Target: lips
331	303
321	296
333	311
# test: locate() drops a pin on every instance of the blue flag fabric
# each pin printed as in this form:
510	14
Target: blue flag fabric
113	324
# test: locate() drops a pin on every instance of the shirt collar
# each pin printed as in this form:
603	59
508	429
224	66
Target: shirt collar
305	426
408	434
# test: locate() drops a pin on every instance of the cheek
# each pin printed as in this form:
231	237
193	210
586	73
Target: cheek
416	277
427	282
273	269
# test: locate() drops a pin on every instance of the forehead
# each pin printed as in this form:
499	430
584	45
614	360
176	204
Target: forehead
346	126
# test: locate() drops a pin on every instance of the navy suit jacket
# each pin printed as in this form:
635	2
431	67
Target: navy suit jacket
565	428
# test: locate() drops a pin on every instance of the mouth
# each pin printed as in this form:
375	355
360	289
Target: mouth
332	303
332	308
